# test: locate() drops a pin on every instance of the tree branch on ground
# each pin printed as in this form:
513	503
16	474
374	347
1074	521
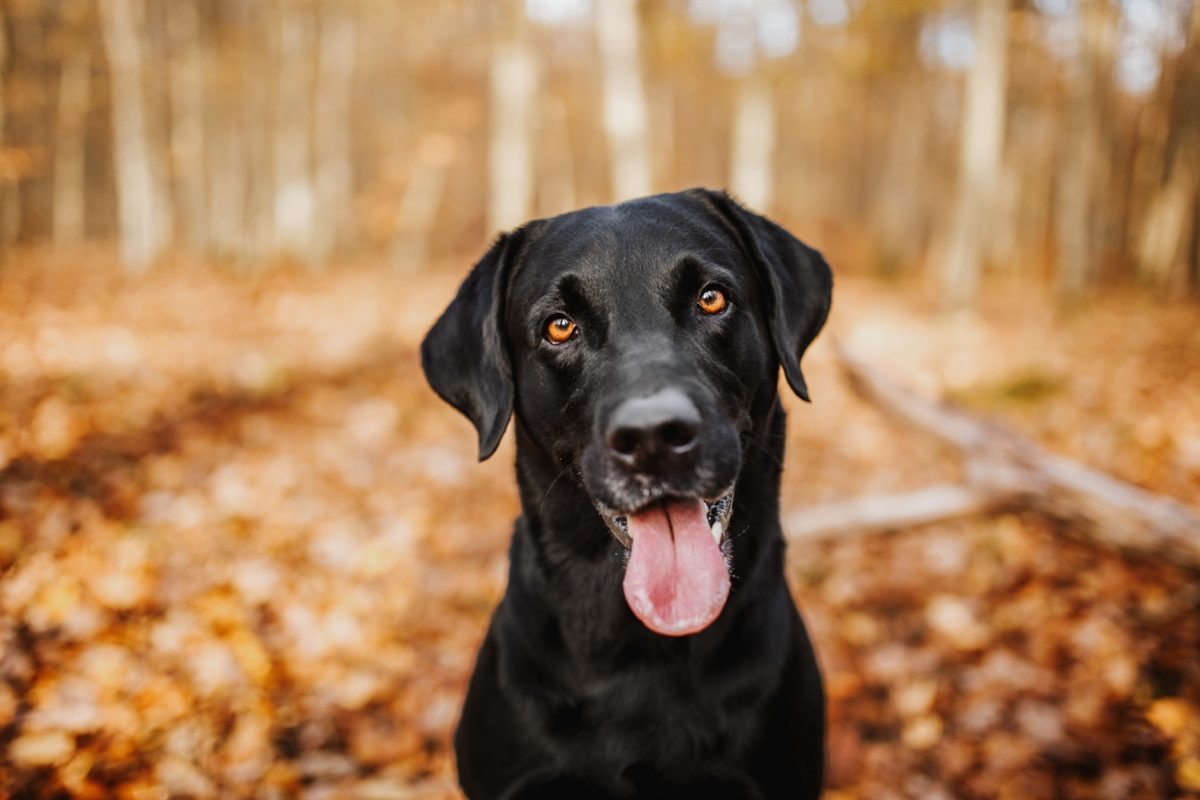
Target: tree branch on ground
1004	471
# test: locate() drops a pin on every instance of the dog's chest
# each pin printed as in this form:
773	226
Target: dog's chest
662	718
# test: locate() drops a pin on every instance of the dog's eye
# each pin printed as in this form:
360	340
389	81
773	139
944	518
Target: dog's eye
712	301
559	330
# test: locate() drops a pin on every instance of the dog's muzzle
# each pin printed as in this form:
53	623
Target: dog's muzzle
718	512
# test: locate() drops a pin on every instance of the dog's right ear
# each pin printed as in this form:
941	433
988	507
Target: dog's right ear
464	355
798	283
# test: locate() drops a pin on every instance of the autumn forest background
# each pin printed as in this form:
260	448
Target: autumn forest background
245	552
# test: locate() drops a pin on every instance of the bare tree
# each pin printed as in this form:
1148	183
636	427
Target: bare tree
557	190
1170	233
898	219
423	193
9	198
1082	156
511	103
979	156
69	139
185	78
295	196
624	100
225	207
265	154
142	205
332	139
752	154
753	141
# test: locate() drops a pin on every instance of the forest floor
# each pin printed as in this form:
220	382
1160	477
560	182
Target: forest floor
245	552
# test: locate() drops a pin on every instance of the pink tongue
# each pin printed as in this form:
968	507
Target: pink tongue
676	581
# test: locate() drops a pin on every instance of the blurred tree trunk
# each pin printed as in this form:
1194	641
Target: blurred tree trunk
753	141
69	139
897	214
9	193
295	196
1169	245
423	192
1165	248
333	105
624	100
186	92
979	157
142	206
258	120
1031	162
511	102
226	201
557	192
1082	161
10	175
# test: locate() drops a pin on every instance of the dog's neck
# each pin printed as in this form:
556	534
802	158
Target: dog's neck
563	547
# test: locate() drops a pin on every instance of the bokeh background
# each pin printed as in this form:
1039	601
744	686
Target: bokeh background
245	552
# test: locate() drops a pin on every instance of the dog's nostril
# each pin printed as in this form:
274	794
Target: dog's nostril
677	435
624	441
654	433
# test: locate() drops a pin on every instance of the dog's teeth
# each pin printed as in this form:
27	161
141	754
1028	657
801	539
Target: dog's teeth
716	532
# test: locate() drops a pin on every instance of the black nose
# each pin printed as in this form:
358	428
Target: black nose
654	434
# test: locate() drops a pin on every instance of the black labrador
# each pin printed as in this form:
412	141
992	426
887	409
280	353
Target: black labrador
646	645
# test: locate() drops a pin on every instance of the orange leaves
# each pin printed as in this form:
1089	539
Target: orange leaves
1179	721
955	622
44	749
1174	717
245	551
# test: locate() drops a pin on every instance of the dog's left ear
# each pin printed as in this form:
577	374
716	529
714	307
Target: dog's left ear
797	281
464	354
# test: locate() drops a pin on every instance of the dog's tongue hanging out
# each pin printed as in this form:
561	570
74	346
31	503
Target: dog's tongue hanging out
676	581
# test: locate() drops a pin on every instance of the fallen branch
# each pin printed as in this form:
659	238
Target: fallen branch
881	512
1005	470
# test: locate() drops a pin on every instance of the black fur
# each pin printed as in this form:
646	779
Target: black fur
572	696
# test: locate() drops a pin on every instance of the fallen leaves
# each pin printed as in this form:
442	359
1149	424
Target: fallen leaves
42	749
246	553
954	620
1179	721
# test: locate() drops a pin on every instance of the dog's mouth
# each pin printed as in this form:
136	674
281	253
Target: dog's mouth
677	575
717	513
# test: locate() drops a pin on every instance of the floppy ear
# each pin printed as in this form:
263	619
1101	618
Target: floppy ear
464	354
797	281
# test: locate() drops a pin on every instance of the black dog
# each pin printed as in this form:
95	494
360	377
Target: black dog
646	645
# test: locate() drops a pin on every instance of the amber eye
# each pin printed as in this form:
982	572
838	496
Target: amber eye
712	301
559	330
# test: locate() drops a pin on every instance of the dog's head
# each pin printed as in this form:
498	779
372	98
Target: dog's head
638	344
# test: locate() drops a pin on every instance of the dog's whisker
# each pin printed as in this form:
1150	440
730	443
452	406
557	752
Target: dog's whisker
546	494
739	534
772	454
